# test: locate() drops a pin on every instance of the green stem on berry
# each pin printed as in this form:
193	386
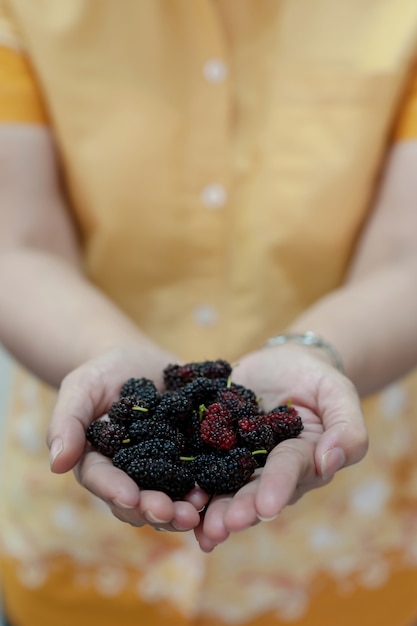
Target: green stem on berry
140	408
187	458
259	452
126	441
229	382
201	410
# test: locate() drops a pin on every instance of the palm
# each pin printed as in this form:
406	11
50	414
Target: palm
86	395
332	419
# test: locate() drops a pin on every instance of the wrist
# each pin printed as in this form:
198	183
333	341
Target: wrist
310	340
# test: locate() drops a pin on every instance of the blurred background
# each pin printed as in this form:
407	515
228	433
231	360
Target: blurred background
4	383
4	376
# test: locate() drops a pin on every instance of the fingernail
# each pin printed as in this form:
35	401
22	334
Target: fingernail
154	520
123	505
56	448
267	519
332	460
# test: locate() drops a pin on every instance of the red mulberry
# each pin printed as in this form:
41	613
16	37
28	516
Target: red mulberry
285	422
216	428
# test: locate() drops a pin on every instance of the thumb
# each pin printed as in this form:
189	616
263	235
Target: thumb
345	439
74	410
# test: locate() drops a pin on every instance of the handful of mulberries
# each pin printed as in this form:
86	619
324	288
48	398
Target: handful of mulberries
202	430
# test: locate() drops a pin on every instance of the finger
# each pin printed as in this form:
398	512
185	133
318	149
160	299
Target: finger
128	503
287	465
206	544
198	498
182	515
212	530
128	516
212	519
184	518
241	512
97	473
158	510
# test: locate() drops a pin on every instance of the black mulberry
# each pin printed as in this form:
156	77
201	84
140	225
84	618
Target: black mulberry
152	428
106	437
224	473
156	466
143	389
176	376
127	409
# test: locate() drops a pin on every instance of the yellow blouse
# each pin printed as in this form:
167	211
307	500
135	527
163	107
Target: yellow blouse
220	157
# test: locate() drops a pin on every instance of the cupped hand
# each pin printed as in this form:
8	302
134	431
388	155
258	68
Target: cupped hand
86	394
334	436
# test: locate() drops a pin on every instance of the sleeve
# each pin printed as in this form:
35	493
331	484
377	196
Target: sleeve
406	124
20	97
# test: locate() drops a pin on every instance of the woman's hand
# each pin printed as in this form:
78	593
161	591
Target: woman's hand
334	436
86	394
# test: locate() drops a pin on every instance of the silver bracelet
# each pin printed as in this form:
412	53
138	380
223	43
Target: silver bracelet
308	339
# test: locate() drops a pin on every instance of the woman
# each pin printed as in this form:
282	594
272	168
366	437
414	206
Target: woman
182	182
